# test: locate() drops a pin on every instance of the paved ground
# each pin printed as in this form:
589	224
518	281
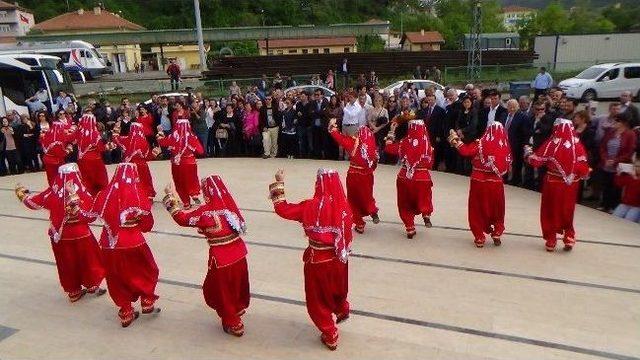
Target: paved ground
433	297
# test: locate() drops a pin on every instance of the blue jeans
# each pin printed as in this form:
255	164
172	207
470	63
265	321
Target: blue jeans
628	212
203	136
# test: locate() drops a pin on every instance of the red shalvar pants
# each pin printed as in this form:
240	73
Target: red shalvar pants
132	273
185	178
326	285
52	172
360	196
94	174
79	263
226	290
414	198
146	181
556	211
486	209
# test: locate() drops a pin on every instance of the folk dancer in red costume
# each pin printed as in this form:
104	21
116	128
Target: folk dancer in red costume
226	286
566	162
414	180
75	249
132	272
90	149
363	157
56	145
184	147
326	220
136	149
491	158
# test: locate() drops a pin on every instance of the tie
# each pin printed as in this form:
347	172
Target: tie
508	124
429	113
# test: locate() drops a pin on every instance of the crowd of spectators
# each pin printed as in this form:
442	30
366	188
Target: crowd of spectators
262	120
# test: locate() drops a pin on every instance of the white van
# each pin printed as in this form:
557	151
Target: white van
603	81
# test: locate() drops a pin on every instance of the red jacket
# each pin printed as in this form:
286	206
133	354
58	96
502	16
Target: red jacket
627	147
630	189
147	124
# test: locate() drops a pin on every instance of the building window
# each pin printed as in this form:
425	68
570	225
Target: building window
316	51
5	28
293	51
507	41
280	52
305	51
3	14
326	50
270	52
347	50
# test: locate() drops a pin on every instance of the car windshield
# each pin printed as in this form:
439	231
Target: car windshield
590	73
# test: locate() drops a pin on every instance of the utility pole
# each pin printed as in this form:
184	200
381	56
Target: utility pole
474	61
267	31
203	55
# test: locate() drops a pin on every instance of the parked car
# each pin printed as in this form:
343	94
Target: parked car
603	81
173	94
311	89
421	85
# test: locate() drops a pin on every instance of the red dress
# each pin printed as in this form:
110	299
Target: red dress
363	162
55	144
414	180
136	150
491	158
132	272
326	220
226	286
184	147
566	162
90	149
75	249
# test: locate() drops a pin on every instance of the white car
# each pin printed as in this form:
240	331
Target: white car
173	94
421	85
603	81
328	93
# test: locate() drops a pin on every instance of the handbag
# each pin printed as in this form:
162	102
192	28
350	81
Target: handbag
222	133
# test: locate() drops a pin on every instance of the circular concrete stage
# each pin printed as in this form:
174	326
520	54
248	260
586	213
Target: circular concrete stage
433	297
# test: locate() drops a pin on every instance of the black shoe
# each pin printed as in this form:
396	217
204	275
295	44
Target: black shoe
375	218
427	221
265	156
568	248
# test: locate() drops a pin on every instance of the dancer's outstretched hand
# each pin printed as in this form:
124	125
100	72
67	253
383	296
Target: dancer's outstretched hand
169	189
280	175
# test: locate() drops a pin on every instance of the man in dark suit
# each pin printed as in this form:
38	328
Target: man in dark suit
435	118
495	112
516	125
319	123
540	127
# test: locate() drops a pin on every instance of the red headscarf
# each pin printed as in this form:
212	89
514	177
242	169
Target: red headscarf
58	196
415	147
120	201
135	144
365	153
494	153
218	201
327	217
181	140
54	140
563	150
88	134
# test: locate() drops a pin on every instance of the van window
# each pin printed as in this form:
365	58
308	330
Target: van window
632	72
590	73
20	85
612	74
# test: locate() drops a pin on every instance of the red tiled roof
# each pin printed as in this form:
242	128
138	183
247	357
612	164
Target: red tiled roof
88	20
313	42
424	37
516	8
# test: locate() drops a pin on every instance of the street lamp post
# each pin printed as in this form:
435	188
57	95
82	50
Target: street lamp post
203	56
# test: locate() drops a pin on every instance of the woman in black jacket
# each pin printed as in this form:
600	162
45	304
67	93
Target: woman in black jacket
28	135
224	131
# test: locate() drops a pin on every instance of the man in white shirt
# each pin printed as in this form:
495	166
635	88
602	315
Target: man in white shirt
353	116
542	83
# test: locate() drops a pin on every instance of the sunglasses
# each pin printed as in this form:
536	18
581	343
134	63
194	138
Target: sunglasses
539	109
